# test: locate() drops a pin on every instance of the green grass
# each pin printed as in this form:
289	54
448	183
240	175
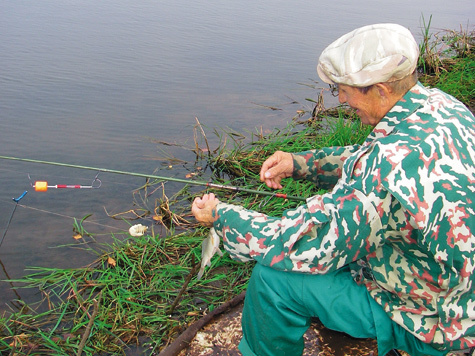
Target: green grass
134	285
458	79
447	62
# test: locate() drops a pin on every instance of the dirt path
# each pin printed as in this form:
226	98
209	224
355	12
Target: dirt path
221	338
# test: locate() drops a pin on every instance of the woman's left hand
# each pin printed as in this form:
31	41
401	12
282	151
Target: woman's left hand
204	209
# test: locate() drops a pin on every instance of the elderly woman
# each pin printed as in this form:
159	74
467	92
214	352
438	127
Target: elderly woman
388	253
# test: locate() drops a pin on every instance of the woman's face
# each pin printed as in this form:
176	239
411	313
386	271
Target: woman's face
369	106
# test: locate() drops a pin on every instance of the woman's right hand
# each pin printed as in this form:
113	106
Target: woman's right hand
278	166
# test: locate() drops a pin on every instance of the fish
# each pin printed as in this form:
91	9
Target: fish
209	247
137	230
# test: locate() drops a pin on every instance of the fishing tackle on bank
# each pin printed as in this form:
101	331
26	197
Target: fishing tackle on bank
42	186
16	200
194	182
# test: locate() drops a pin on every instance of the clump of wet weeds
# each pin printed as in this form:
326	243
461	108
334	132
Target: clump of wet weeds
143	290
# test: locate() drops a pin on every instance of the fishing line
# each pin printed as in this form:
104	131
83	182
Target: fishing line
67	216
193	182
16	200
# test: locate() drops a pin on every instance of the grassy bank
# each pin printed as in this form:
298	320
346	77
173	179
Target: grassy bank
447	62
143	290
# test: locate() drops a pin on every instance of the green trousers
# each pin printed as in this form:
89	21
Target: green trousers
279	306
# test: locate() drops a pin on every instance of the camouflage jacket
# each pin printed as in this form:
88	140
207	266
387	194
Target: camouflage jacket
400	213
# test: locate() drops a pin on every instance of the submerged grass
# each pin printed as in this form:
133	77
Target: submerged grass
143	291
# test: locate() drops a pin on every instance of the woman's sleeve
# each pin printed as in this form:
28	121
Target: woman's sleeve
323	166
326	233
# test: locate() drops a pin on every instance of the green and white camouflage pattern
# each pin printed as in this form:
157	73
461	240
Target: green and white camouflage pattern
400	213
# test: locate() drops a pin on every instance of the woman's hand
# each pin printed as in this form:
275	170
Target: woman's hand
278	166
204	209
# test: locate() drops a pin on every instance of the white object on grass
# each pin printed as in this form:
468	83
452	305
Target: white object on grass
137	230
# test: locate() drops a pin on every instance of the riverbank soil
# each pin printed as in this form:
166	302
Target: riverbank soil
221	338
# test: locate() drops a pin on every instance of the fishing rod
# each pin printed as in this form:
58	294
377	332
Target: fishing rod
206	184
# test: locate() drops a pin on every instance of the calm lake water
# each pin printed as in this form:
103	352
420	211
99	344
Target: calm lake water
96	82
